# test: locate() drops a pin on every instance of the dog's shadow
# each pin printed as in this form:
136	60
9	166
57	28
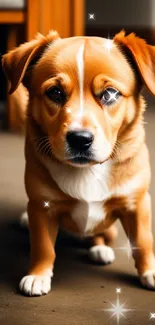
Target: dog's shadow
71	258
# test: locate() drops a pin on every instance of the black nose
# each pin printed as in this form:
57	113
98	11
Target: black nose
79	140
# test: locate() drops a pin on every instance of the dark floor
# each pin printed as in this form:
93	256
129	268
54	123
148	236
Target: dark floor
80	291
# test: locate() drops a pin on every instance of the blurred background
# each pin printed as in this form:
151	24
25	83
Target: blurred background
80	290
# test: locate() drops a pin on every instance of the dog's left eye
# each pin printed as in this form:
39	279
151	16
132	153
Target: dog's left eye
56	94
109	96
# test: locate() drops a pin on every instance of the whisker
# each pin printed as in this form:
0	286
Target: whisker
42	150
47	149
41	145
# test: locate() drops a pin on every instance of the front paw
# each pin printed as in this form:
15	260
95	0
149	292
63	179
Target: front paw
101	254
35	285
148	279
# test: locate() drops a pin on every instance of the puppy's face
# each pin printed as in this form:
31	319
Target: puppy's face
81	89
83	93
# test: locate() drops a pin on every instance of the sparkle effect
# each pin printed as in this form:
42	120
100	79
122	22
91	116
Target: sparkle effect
113	96
128	248
91	16
152	315
68	110
46	204
118	309
109	45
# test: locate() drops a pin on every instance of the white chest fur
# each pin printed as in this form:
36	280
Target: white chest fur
88	215
85	184
91	187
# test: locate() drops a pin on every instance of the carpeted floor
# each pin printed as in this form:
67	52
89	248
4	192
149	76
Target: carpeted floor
81	291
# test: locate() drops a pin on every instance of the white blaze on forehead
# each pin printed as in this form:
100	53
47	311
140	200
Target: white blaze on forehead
80	68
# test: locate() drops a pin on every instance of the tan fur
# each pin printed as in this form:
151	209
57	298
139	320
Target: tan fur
18	102
129	178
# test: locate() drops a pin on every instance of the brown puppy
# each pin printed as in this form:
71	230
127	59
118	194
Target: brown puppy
87	163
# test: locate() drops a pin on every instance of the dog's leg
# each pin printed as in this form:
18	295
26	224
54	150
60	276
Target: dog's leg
43	232
137	225
100	252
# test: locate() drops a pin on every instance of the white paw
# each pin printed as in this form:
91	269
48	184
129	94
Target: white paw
102	254
24	220
148	279
35	285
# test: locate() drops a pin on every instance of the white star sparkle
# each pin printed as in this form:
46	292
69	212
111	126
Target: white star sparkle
68	110
46	204
118	309
109	45
91	16
113	96
127	248
152	315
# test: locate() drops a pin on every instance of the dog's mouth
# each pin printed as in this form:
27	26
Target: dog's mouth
78	157
80	160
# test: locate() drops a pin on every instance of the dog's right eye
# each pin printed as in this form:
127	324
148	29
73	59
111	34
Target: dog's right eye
56	94
110	96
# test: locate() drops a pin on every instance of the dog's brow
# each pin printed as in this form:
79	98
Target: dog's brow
80	68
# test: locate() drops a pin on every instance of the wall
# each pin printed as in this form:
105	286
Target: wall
137	13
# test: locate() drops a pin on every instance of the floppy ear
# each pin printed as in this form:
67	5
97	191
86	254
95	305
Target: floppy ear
16	62
142	54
